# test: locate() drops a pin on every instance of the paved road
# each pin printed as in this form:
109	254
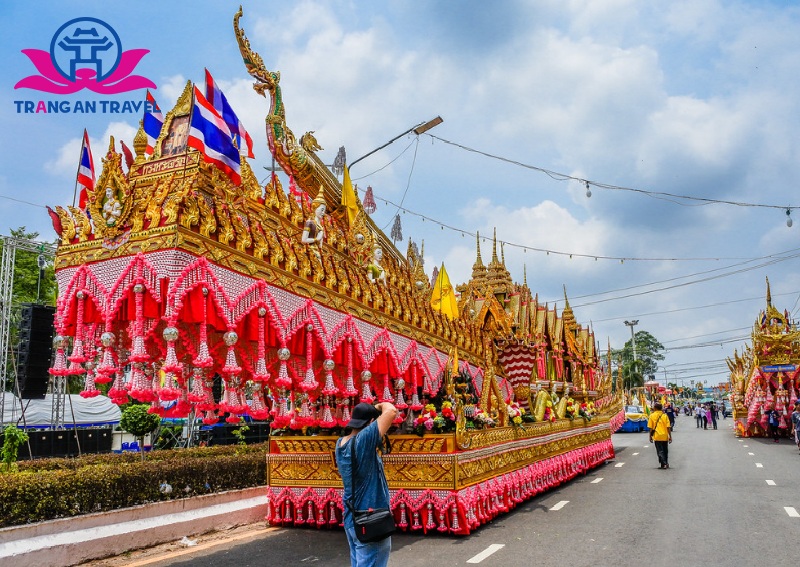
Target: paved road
722	502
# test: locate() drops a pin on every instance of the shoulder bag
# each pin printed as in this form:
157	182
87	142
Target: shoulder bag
372	524
652	431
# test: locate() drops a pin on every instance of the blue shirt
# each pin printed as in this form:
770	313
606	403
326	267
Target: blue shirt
371	489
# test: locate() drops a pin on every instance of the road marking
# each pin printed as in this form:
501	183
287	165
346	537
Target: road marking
759	466
792	512
635	454
771	482
559	505
751	454
494	548
745	446
618	465
595	481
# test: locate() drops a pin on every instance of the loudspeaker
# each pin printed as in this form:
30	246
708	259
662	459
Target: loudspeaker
35	350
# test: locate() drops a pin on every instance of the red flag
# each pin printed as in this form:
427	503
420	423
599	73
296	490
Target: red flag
126	151
85	172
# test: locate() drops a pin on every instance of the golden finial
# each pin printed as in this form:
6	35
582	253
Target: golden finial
140	143
769	295
494	246
318	200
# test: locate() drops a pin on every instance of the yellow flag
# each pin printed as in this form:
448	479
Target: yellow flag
443	298
349	198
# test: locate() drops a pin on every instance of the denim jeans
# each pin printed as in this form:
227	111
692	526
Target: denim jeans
368	554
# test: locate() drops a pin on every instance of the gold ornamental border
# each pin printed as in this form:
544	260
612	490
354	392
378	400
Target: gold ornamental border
433	461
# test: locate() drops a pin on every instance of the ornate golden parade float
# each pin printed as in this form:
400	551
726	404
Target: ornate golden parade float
302	308
767	373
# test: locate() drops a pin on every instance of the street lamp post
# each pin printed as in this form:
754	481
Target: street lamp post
420	128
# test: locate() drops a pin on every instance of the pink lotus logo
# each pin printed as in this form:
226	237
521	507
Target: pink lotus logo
85	53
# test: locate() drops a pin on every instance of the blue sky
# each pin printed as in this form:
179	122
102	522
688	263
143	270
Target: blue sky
696	98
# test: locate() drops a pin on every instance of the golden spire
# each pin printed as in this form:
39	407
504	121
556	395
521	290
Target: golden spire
498	279
769	295
478	269
140	143
570	324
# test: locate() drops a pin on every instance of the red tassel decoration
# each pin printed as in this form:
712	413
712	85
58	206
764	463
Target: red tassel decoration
366	393
310	383
203	359
330	388
349	387
387	393
260	373
231	367
283	380
171	363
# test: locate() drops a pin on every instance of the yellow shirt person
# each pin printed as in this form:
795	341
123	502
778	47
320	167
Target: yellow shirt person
660	434
658	424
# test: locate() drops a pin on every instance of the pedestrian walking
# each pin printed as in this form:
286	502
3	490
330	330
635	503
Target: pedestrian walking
698	415
660	434
796	423
670	411
773	421
712	414
367	488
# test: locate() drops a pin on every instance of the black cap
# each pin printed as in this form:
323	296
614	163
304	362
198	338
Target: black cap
362	414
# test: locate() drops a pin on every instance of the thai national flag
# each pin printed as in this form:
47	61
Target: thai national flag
220	103
210	136
85	172
152	122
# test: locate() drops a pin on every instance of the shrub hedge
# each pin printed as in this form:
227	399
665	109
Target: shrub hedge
47	489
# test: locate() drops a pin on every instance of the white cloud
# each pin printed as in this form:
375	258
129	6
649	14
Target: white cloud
65	162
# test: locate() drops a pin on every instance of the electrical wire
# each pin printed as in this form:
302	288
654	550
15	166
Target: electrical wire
656	194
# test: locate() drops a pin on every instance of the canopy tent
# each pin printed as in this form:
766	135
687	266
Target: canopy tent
38	413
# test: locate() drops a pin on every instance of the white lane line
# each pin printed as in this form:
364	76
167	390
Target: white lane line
759	466
745	446
740	440
770	482
618	465
751	454
792	512
635	454
494	548
595	481
559	505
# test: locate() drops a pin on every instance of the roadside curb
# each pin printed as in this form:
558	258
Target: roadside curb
70	541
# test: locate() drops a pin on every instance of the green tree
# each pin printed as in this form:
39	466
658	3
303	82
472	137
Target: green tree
30	284
137	421
648	353
12	439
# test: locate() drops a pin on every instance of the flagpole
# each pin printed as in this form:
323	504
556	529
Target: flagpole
189	129
78	170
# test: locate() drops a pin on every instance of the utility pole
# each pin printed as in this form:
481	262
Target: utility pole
632	324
